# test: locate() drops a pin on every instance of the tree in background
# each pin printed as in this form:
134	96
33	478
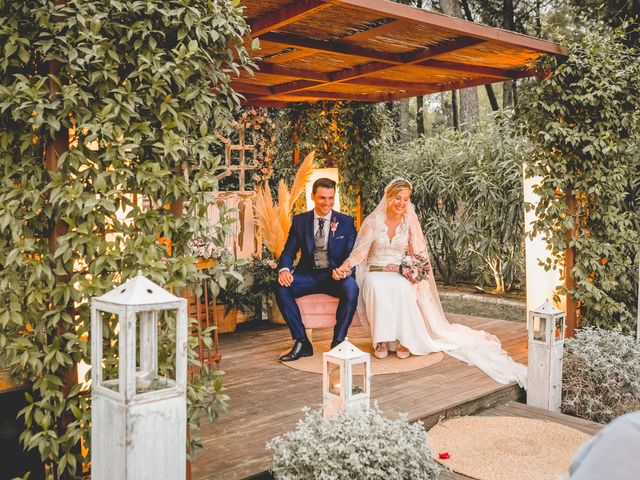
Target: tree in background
101	104
469	110
615	13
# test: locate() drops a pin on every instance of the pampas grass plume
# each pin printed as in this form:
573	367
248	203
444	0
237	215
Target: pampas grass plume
274	220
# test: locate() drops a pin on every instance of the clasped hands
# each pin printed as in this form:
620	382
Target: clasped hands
285	277
343	271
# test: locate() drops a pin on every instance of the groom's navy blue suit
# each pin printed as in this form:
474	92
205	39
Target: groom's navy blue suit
307	279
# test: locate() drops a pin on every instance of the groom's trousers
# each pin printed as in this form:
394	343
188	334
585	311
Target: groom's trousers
318	281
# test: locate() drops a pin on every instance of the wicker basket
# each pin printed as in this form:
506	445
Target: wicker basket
275	316
227	323
244	317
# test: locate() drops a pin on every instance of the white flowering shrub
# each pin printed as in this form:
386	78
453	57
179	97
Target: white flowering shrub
357	444
601	374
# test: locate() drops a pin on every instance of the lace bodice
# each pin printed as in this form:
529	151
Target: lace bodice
374	247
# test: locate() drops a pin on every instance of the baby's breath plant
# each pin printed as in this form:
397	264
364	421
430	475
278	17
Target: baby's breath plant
353	445
601	374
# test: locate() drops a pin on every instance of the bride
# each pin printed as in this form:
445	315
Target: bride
409	317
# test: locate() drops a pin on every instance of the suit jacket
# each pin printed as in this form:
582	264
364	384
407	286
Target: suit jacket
342	236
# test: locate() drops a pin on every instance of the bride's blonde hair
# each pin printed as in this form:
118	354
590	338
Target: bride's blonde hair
397	186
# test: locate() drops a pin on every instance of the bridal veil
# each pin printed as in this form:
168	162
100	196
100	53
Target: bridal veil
475	347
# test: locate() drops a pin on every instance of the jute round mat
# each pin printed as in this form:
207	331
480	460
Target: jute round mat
505	448
391	364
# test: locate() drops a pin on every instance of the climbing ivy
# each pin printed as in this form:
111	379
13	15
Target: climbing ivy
584	121
343	135
142	86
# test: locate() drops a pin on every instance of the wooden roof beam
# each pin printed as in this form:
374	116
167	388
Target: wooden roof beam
463	67
312	75
418	16
431	51
250	88
256	102
295	86
419	87
324	95
445	87
335	46
377	31
373	67
273	69
472	82
288	14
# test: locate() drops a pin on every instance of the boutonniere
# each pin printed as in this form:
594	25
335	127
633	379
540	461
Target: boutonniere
334	226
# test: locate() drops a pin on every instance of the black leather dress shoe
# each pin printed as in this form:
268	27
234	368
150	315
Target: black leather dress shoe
335	343
300	349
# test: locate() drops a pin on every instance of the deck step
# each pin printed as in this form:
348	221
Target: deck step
509	393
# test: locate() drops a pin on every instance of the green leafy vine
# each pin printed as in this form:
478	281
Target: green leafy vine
142	87
584	120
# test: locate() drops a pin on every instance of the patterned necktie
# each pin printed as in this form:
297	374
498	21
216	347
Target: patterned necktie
319	240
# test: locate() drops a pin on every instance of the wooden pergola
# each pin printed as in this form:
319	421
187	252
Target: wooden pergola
375	50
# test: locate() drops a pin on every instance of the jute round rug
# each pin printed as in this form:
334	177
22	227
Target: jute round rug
391	364
505	448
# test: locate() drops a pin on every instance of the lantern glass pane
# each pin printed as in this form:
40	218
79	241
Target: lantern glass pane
333	372
540	329
358	378
156	350
559	328
110	354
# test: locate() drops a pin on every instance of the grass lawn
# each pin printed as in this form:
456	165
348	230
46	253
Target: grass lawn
482	305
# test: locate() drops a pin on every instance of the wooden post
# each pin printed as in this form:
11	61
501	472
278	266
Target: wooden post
53	150
569	263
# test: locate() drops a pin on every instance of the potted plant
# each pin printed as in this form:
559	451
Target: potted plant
226	282
264	273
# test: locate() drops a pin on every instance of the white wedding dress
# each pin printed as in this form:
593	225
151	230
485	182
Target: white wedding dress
396	310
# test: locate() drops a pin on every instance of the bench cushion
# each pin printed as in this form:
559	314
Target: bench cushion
319	311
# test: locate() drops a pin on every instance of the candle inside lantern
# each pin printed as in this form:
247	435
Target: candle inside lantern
143	380
539	327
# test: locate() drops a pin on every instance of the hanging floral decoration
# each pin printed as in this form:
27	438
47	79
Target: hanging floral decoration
260	131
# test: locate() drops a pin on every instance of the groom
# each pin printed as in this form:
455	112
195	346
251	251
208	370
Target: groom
325	239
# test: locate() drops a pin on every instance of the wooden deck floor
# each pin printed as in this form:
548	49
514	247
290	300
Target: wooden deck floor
267	397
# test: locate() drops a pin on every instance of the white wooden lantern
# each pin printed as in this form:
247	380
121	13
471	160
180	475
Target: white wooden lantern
546	343
139	419
346	376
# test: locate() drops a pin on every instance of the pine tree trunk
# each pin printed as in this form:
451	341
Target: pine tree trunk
403	110
420	115
508	88
469	108
493	101
454	109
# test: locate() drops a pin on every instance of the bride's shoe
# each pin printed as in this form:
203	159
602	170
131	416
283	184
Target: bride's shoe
402	352
381	350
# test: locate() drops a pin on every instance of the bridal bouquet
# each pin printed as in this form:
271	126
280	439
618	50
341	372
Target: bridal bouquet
415	268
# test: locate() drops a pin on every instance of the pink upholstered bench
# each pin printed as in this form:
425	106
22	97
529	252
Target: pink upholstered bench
319	311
